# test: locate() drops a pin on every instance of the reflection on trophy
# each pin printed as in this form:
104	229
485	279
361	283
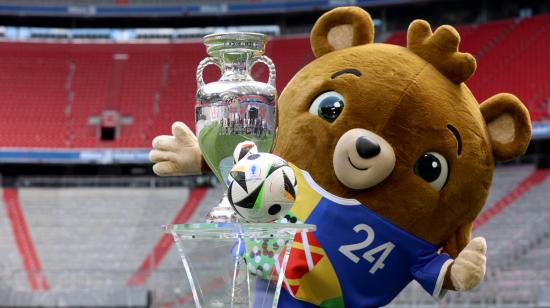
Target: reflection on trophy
234	109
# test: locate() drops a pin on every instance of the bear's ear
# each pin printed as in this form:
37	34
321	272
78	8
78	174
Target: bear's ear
508	124
341	28
440	48
458	240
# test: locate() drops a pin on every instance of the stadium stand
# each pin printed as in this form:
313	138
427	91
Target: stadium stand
87	240
518	239
504	181
152	85
67	85
111	240
508	51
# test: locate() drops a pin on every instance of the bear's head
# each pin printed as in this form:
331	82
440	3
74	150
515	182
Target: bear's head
396	128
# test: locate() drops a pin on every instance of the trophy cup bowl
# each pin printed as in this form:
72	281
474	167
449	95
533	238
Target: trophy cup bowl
235	108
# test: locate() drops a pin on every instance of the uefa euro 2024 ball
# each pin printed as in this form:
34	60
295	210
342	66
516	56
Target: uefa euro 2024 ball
262	187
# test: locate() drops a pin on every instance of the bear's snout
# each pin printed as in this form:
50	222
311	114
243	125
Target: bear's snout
362	159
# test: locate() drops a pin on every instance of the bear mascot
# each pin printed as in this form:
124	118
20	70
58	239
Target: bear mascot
394	158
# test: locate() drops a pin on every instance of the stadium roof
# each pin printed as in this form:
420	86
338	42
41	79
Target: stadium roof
173	8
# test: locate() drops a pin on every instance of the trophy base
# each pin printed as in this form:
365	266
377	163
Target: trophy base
222	213
225	265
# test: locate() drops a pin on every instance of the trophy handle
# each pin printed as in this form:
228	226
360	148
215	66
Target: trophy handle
202	65
272	73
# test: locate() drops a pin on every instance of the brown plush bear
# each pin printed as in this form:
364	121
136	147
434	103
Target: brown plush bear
394	157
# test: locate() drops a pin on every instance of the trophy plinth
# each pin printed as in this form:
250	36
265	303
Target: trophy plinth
213	257
235	108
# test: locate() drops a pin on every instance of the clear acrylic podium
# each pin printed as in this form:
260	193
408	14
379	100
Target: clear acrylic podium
235	264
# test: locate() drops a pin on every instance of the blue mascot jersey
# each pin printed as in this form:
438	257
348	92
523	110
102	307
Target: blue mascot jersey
356	258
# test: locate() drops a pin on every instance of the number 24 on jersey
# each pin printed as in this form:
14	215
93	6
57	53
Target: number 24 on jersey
349	250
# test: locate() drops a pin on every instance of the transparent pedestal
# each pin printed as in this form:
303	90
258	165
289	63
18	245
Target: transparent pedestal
235	264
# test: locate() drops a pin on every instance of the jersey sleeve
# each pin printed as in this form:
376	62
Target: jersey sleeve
430	271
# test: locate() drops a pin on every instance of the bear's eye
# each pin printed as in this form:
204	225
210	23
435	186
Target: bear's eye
433	168
328	106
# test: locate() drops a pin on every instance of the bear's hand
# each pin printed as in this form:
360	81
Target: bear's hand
178	154
468	268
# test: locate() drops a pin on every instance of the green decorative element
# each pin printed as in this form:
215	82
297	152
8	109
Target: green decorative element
260	256
333	303
265	253
216	146
258	202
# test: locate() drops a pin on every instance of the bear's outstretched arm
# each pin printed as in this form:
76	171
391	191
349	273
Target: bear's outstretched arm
468	269
178	154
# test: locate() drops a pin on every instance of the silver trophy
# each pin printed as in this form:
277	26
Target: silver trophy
235	108
232	110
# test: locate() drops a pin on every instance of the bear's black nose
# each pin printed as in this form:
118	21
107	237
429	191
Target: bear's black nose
366	147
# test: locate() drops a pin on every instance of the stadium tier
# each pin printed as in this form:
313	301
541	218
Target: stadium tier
69	86
54	94
517	252
512	56
65	240
57	95
70	239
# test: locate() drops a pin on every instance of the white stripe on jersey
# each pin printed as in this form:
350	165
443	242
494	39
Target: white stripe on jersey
307	251
278	269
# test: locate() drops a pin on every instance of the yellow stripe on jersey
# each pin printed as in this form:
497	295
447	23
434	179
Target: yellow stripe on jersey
306	198
313	249
319	284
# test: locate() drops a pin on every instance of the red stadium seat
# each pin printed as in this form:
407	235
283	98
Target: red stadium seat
49	91
512	56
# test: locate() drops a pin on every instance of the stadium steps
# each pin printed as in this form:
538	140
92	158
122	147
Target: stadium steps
11	265
510	239
518	227
496	39
512	236
96	237
169	280
505	179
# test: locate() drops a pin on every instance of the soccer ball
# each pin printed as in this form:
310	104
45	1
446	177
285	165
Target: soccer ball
262	187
